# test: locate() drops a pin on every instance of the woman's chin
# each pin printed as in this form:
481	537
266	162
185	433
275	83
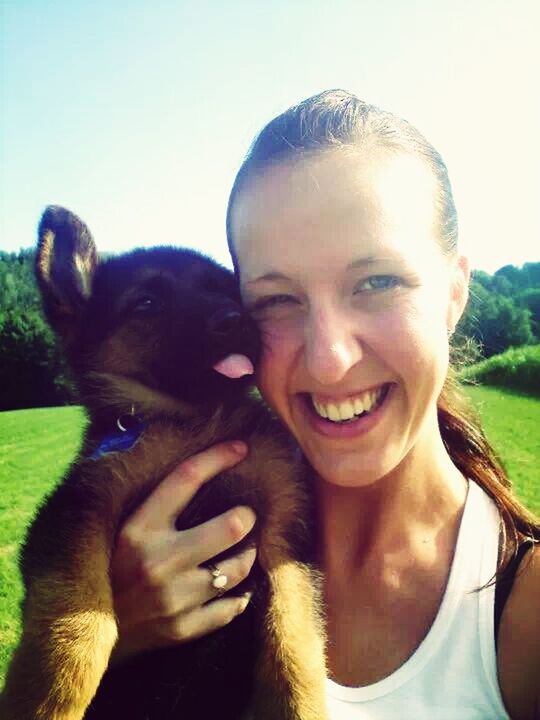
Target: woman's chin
349	469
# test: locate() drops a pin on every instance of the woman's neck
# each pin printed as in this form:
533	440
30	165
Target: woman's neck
423	495
386	553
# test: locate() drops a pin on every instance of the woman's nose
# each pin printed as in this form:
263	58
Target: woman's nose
331	347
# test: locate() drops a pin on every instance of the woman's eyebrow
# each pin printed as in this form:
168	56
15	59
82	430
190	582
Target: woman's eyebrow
268	277
370	260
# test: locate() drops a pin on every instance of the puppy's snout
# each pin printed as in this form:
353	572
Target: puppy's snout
224	322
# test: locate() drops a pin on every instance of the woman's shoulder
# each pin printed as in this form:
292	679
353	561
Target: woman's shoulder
518	656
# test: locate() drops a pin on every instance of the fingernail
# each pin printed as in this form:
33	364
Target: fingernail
239	447
244	602
246	516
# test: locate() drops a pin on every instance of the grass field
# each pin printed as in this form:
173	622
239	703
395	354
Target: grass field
37	445
35	448
512	424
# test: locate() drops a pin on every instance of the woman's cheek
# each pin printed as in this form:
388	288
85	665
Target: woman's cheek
281	342
421	347
280	337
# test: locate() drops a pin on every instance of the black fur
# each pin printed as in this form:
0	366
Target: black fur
159	319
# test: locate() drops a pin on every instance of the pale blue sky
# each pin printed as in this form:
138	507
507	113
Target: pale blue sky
136	114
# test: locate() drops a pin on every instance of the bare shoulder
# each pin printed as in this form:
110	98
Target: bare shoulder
519	642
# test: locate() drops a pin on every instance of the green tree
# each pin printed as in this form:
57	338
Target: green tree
514	276
530	299
482	278
495	321
32	372
532	270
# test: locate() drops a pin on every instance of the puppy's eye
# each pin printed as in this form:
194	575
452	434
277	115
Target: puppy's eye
145	303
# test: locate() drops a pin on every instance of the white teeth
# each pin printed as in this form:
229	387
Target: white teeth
358	406
348	408
333	412
320	409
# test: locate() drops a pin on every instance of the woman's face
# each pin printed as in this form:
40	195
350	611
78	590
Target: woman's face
340	264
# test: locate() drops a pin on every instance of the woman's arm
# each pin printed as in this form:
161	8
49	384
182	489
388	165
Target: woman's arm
161	591
519	642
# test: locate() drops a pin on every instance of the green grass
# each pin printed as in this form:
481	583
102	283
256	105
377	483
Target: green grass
37	445
511	423
35	448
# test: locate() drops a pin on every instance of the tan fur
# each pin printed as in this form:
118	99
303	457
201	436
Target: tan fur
44	260
81	265
144	398
69	625
69	633
69	617
295	659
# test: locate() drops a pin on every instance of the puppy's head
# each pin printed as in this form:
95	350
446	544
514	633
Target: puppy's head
164	322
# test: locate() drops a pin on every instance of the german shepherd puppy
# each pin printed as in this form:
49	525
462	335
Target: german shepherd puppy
156	339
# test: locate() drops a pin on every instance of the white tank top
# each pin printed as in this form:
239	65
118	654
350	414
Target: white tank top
452	675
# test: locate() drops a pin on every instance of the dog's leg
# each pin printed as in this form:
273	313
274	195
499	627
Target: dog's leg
292	667
69	632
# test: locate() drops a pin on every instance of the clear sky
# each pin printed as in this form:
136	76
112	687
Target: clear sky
136	114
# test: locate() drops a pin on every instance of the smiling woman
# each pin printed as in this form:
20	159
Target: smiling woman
366	314
343	233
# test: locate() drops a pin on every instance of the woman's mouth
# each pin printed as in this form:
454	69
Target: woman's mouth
351	408
356	413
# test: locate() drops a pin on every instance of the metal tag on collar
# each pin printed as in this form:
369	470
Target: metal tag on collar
130	429
126	422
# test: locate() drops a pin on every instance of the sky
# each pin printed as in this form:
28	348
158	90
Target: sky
136	115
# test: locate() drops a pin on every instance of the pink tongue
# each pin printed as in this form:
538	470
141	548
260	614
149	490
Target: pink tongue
234	366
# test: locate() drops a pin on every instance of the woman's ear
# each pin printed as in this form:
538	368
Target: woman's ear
459	291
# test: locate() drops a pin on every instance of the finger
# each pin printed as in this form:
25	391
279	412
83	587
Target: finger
187	627
233	570
175	492
151	562
175	584
189	590
197	545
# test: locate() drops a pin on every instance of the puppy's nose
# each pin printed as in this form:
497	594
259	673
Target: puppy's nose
225	321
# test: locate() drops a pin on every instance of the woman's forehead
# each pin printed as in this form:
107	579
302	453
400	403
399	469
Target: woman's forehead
334	203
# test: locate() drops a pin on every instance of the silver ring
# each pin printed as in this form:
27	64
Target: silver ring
219	580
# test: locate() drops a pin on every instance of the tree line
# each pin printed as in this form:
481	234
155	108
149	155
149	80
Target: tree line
503	309
503	312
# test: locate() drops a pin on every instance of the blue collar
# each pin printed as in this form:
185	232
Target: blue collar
118	441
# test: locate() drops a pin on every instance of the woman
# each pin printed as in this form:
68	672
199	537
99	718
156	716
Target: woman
343	232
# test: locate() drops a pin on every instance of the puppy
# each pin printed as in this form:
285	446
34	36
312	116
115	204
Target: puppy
161	351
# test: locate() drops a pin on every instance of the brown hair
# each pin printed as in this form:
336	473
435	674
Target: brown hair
334	119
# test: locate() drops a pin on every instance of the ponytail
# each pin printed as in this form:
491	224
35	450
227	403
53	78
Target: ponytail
473	455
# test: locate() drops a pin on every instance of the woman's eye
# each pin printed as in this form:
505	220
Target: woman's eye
378	282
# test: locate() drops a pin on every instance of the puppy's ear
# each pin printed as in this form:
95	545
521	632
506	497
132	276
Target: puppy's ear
66	260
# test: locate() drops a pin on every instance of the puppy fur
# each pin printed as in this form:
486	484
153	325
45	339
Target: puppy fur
142	332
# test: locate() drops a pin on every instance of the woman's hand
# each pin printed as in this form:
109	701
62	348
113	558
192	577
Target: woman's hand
161	589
